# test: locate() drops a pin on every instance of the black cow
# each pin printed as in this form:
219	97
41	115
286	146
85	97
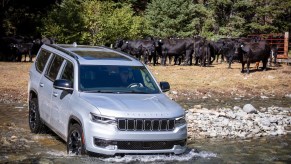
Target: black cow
177	48
137	48
222	48
230	51
118	44
204	50
7	50
23	49
215	50
199	47
250	52
31	47
205	54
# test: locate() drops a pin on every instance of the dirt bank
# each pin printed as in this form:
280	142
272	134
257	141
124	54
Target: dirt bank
191	82
218	81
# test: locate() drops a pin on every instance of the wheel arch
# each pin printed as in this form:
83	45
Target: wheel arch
74	120
32	94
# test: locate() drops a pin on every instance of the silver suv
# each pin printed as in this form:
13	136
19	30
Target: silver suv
103	101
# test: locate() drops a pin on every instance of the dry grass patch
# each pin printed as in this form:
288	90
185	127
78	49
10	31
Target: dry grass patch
214	81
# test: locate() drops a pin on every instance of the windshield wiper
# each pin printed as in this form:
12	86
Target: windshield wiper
99	91
133	91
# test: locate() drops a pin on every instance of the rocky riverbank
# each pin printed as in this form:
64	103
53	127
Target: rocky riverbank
246	122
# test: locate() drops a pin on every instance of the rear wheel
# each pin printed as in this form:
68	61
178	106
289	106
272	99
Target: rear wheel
35	123
75	141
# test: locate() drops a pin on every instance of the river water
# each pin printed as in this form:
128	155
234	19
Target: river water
18	144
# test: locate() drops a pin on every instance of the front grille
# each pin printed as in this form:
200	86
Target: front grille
150	145
146	124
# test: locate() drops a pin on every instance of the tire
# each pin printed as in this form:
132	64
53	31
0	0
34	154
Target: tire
75	140
35	123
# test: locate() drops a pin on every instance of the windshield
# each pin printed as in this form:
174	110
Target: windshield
116	79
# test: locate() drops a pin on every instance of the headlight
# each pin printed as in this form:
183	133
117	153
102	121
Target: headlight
180	121
102	119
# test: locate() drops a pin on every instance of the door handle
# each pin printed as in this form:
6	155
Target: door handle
55	94
41	84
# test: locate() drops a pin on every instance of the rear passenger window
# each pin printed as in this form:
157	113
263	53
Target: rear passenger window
54	68
41	60
68	72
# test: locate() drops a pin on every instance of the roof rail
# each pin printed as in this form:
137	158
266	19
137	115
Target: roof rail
63	50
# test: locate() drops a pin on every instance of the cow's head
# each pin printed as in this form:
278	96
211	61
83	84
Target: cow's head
158	43
125	46
244	47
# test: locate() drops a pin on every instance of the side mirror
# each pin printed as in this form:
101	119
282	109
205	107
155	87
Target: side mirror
165	86
63	84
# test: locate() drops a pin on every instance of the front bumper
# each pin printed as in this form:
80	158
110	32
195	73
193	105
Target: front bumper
108	140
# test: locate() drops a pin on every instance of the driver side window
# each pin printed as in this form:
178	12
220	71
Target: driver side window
68	72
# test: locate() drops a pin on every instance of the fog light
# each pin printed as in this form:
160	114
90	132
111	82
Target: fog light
110	145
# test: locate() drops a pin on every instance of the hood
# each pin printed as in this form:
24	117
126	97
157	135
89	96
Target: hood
134	105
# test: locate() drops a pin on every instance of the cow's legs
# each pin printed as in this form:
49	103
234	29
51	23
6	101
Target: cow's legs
163	59
188	58
265	65
229	62
242	67
248	67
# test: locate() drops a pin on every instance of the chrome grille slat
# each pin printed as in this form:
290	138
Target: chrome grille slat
146	124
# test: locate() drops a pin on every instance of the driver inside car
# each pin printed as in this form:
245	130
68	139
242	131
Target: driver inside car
126	77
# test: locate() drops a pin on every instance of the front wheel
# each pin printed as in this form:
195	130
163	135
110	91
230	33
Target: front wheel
35	123
75	141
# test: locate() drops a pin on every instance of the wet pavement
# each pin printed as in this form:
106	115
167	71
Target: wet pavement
18	144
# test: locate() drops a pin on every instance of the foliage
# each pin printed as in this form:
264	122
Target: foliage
104	21
170	18
22	17
92	22
65	22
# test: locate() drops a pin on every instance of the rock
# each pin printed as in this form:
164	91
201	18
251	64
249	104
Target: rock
281	132
273	133
256	130
230	114
174	92
241	114
248	108
4	142
237	123
265	122
264	97
225	122
213	134
236	108
273	119
198	106
259	135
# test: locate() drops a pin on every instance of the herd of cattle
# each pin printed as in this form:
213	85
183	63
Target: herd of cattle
184	51
200	50
13	48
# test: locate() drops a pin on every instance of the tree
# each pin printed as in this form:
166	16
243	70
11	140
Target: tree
92	22
22	17
65	22
168	18
108	21
282	16
203	21
222	10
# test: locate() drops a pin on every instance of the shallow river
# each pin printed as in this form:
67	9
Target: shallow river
19	145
